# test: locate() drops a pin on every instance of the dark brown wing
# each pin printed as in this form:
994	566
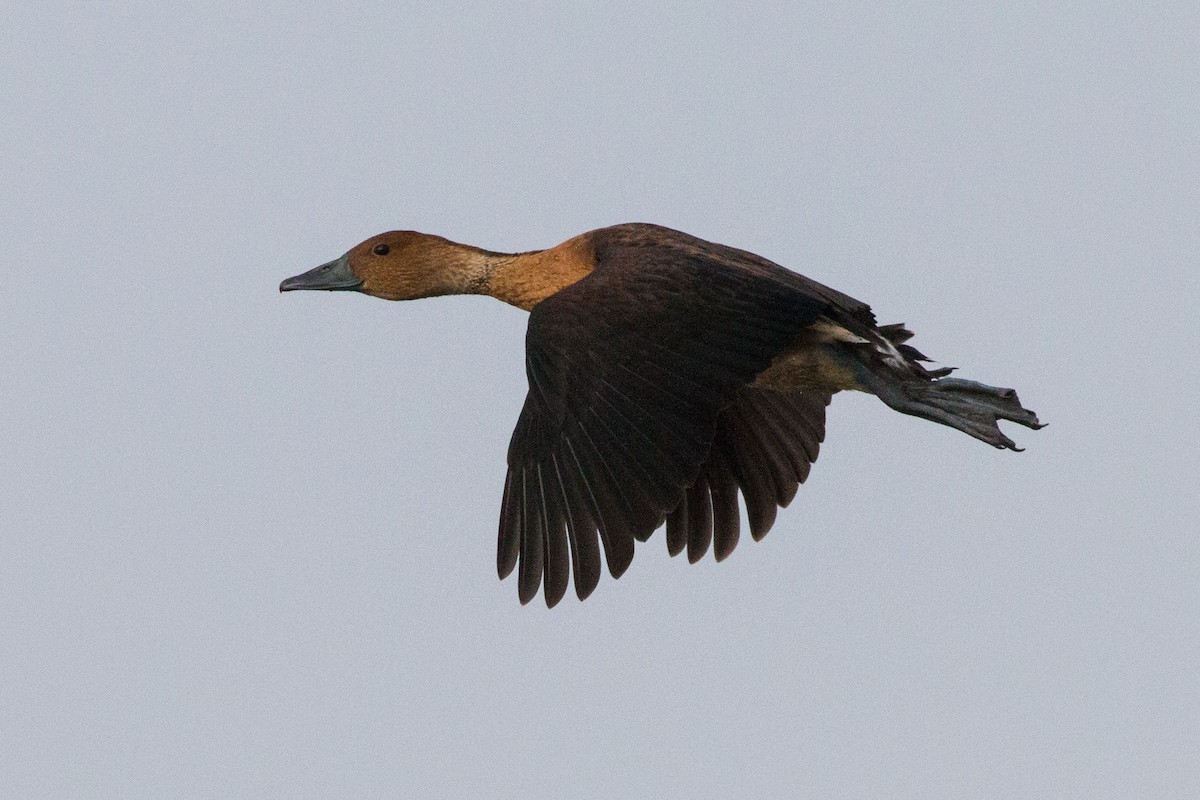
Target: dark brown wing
628	370
764	445
853	314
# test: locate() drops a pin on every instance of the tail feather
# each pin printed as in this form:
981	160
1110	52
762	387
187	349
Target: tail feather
895	333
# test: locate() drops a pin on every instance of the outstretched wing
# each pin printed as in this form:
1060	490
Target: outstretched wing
628	371
764	446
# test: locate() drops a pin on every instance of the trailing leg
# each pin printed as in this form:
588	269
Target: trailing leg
891	371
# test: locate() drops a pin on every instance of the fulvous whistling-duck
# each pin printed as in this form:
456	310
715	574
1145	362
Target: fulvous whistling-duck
666	374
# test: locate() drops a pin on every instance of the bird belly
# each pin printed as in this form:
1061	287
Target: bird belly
806	367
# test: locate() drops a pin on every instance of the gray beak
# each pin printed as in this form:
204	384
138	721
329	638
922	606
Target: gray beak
332	277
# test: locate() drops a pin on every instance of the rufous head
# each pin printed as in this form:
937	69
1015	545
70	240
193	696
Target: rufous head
397	265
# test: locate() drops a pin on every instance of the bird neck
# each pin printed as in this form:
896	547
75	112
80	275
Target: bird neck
525	279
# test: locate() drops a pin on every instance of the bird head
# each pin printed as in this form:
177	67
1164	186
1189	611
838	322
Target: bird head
397	265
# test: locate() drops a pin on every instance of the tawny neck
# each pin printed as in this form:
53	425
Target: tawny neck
526	279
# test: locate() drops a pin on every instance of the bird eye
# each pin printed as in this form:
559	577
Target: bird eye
381	250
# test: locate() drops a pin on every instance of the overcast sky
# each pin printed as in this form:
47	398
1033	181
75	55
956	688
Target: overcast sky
247	540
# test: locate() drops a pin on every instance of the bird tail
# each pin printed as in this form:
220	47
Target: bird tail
893	372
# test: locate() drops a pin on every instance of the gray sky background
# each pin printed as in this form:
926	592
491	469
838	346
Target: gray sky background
247	541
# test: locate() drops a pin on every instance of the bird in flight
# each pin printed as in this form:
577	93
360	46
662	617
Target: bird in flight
666	374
